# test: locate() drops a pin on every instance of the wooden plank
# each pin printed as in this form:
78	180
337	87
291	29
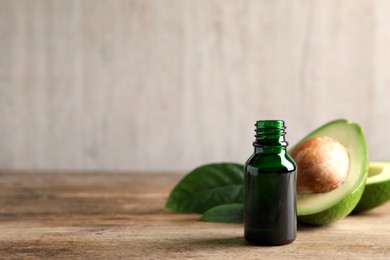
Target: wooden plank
119	215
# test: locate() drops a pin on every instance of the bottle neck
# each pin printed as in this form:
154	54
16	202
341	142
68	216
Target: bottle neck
270	150
270	137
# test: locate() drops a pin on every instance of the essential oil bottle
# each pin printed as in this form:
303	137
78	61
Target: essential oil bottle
270	188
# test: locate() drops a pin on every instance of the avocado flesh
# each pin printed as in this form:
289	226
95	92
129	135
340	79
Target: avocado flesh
324	208
377	191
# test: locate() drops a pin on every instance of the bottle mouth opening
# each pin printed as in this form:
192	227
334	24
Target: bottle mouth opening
269	128
270	124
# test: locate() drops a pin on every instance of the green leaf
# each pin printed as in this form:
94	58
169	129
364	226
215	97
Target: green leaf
206	187
227	213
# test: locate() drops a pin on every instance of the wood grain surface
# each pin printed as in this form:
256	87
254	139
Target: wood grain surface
120	215
166	85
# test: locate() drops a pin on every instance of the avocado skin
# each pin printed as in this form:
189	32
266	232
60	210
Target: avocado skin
337	212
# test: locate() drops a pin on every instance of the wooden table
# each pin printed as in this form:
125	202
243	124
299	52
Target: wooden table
121	215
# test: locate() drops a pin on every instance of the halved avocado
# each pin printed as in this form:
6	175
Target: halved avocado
325	208
377	191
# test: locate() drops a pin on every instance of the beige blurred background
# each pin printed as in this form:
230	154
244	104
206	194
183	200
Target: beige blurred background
167	85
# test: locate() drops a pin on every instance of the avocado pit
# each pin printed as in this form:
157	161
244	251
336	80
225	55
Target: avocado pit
323	164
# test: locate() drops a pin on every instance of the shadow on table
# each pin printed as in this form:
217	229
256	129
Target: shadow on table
225	242
222	243
309	228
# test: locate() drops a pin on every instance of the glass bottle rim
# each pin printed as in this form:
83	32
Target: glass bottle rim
278	124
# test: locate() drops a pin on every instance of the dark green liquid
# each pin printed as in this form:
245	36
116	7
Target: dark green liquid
270	206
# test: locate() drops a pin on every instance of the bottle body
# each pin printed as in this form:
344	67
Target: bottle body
270	194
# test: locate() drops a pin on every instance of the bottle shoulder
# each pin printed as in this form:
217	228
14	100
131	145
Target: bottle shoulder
271	162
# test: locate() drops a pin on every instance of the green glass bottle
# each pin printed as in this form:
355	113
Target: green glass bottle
270	188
